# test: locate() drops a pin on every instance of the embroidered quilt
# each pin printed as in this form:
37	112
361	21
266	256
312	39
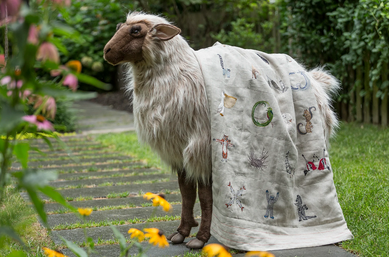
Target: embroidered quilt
273	185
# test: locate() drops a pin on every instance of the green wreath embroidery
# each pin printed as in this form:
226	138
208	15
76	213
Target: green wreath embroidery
269	114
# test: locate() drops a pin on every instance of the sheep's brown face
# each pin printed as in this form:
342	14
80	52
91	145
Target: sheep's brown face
126	44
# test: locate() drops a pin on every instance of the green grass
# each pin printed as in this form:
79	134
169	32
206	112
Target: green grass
15	212
127	143
360	161
90	224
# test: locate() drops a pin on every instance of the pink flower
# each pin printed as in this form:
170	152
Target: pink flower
59	2
9	8
6	80
2	61
71	81
33	35
40	121
11	83
49	107
57	72
47	51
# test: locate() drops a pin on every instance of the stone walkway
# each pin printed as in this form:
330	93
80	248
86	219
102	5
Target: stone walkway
96	176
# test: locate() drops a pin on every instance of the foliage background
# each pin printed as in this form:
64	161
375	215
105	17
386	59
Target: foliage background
349	37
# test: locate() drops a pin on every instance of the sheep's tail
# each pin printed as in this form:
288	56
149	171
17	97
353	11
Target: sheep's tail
328	85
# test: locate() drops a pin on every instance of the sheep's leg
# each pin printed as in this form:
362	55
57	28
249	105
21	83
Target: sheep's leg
205	196
188	195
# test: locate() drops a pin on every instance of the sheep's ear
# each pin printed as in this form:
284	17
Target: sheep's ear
165	31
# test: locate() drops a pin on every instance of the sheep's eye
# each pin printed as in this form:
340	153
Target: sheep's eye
135	30
118	26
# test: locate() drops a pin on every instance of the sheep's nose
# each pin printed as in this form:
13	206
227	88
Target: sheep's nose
106	51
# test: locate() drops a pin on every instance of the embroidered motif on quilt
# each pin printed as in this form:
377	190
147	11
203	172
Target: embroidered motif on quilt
280	87
287	118
263	59
288	168
311	165
271	200
255	73
308	117
226	72
323	162
269	114
301	208
226	144
258	162
299	81
235	197
227	101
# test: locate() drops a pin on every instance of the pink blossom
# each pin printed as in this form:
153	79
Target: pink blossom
59	2
6	80
2	60
11	83
49	107
40	121
47	51
57	72
9	8
71	81
33	35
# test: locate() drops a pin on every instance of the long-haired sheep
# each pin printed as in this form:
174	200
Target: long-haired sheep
171	109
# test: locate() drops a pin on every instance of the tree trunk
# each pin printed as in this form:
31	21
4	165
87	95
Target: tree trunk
358	86
376	104
367	98
384	102
351	105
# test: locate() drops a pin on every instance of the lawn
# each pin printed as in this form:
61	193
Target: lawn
359	158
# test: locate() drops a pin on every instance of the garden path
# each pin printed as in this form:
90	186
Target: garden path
110	182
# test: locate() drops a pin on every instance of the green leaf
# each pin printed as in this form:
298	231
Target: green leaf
56	196
78	251
61	29
17	254
10	117
90	242
92	81
38	178
56	91
21	152
36	149
120	237
38	205
10	232
59	45
48	142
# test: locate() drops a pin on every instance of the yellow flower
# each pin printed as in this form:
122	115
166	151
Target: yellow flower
51	253
137	234
156	236
85	212
216	250
74	65
259	254
149	195
158	200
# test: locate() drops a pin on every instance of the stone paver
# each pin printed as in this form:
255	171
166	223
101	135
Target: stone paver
89	182
85	162
115	215
119	172
99	203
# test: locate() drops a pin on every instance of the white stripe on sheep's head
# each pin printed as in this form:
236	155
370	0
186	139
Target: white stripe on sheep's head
130	40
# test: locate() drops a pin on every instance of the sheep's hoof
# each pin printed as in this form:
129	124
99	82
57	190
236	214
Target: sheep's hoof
176	238
195	244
